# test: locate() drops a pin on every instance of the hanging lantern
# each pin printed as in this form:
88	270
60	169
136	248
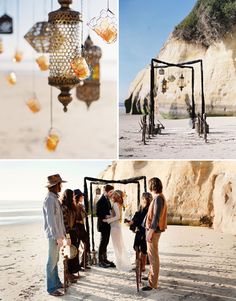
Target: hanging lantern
90	90
98	191
39	37
105	25
171	78
6	24
64	45
181	82
11	78
33	104
18	56
1	46
164	85
161	71
52	140
43	63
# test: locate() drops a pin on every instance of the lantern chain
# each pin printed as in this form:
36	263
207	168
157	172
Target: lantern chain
5	6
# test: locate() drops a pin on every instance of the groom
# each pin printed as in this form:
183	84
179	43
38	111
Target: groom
103	209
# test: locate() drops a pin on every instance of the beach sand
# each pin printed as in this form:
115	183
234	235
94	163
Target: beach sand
85	134
178	140
196	264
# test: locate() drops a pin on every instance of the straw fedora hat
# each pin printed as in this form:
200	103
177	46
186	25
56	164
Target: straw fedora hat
54	180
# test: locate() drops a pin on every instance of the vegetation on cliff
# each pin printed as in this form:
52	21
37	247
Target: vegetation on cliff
208	22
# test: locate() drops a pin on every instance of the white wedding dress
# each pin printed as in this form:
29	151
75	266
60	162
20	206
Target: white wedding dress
121	255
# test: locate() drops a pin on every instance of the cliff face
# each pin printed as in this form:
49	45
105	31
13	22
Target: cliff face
202	192
219	62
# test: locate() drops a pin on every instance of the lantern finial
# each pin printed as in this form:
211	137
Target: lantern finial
65	97
65	3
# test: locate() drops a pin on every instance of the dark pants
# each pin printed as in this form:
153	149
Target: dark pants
140	242
73	264
104	241
83	236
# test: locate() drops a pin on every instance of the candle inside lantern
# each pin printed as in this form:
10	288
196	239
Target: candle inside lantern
80	67
18	56
42	63
11	78
33	104
52	141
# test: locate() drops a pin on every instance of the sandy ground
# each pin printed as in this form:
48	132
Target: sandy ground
196	264
178	140
85	134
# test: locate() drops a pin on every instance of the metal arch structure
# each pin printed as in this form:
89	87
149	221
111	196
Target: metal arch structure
88	197
152	81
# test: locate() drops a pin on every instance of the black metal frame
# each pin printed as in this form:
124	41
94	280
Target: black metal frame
152	81
95	181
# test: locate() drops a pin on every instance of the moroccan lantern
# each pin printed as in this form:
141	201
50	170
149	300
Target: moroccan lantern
11	78
181	82
33	104
171	78
90	90
6	24
105	25
164	85
1	46
39	37
42	62
64	45
98	191
161	71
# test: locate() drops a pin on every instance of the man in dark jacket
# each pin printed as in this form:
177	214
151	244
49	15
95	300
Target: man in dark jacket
103	209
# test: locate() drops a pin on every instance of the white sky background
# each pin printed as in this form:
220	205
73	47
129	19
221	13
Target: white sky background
29	16
26	179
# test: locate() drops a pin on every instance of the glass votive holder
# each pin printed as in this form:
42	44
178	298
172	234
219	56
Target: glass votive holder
52	140
18	56
33	104
80	67
43	63
11	78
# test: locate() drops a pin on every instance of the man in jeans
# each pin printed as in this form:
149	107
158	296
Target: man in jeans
156	223
55	232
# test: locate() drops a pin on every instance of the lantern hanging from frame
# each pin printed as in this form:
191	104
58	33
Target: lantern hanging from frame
164	86
181	82
171	78
64	44
105	25
90	90
6	24
98	191
39	37
161	71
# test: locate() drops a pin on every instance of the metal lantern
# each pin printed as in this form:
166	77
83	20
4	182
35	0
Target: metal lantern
98	191
90	90
39	37
64	45
171	78
161	71
6	24
181	82
164	85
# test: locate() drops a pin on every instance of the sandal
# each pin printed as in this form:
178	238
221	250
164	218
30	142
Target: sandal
56	294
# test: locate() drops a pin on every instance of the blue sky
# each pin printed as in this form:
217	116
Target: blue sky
26	179
144	27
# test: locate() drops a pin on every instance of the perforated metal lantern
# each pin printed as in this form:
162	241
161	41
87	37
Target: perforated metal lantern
90	90
164	85
98	191
65	27
181	82
39	37
6	24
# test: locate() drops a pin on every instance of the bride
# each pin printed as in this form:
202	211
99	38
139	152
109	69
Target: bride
121	255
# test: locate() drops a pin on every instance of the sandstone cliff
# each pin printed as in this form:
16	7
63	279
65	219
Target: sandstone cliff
219	61
198	192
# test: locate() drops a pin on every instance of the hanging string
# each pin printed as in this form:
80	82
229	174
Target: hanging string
33	54
45	10
18	21
5	6
82	29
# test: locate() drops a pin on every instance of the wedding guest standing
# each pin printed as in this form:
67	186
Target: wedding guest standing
81	232
103	209
55	232
69	215
156	223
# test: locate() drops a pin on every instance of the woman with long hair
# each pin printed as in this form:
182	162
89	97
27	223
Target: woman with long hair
69	215
121	256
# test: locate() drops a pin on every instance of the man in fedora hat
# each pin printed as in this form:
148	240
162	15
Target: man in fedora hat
55	232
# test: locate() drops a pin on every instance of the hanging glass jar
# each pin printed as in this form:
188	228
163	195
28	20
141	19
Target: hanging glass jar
11	78
33	104
65	27
42	62
90	90
52	140
1	46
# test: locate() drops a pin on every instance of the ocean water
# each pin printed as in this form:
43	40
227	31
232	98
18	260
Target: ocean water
20	212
